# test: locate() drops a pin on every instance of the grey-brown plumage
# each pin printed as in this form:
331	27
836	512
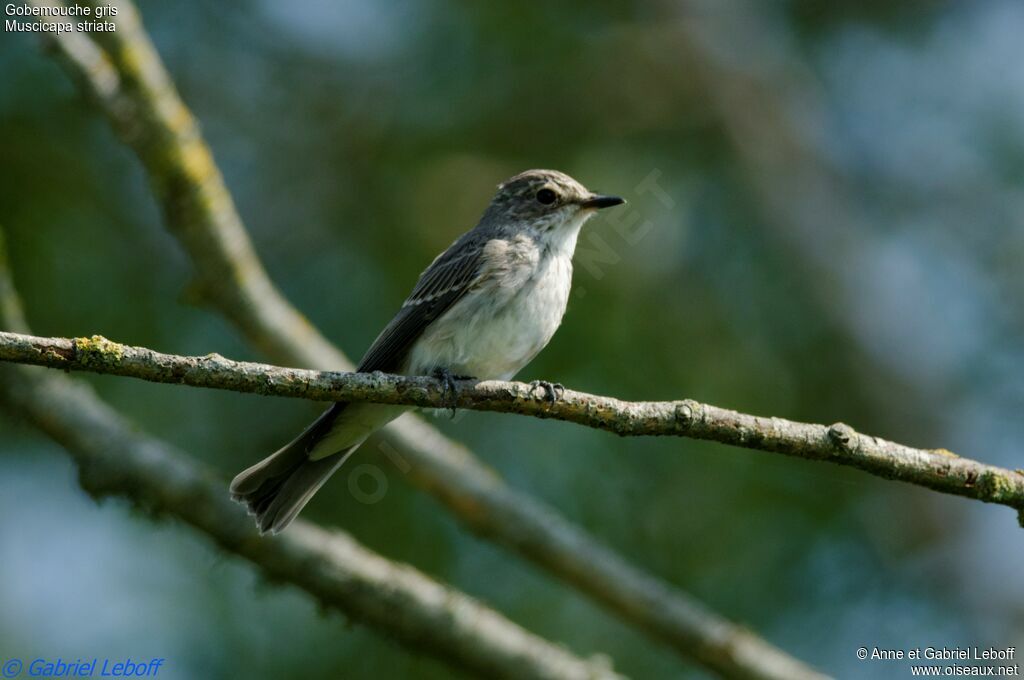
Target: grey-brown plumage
483	308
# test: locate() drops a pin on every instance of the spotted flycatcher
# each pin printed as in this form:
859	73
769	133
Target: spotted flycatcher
482	309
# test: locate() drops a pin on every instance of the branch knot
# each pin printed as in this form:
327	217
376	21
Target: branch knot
686	411
842	437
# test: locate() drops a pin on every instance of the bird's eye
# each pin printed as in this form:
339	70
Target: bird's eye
546	196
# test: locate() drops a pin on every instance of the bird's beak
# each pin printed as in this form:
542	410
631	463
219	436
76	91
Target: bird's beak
597	201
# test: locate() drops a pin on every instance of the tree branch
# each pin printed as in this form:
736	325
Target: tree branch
115	458
395	599
130	85
935	469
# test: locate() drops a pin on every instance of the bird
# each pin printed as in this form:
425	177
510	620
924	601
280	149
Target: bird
481	310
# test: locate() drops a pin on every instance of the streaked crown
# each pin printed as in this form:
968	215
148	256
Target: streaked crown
536	195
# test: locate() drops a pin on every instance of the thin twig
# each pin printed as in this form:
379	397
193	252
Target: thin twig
132	88
936	469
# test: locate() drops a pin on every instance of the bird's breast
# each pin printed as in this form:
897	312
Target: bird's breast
498	327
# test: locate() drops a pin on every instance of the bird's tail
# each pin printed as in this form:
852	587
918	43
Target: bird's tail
279	486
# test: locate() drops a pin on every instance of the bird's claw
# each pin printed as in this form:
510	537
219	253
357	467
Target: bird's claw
552	391
450	387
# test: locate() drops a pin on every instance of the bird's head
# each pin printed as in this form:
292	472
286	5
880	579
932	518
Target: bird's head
546	200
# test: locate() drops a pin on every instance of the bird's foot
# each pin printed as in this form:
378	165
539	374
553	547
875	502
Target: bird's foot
552	391
450	387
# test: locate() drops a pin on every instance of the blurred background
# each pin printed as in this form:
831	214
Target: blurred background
834	233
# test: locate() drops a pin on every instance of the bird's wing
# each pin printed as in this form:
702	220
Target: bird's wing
443	283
